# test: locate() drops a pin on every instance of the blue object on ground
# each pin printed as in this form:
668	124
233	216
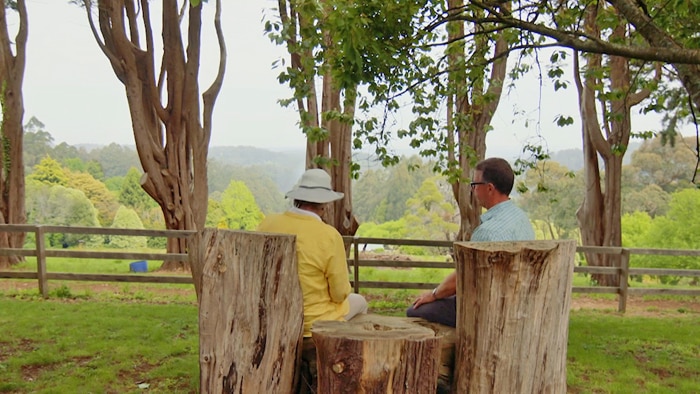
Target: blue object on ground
138	266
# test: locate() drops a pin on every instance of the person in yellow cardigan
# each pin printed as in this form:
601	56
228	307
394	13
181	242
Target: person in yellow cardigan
321	261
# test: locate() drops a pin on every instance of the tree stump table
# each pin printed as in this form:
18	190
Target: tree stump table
376	354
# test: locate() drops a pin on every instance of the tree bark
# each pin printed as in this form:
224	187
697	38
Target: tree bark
382	355
513	302
171	131
600	213
250	311
12	66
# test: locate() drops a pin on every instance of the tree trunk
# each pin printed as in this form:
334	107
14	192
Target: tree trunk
341	214
332	151
383	355
601	210
171	131
512	316
12	210
471	108
250	311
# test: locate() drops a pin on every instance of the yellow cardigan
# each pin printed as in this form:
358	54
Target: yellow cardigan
321	265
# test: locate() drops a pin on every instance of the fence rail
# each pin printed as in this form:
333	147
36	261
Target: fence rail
41	252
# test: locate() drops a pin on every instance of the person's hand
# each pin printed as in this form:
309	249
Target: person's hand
424	298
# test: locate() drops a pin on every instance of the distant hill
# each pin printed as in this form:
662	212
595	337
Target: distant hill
570	158
573	158
283	167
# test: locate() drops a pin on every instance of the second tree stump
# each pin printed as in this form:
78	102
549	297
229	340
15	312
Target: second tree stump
376	355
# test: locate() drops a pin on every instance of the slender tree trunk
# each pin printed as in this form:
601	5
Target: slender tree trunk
600	214
470	110
333	152
12	67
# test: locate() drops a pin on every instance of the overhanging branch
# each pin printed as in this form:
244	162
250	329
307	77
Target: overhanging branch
584	43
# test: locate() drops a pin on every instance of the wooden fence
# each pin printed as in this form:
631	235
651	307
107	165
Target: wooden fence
41	252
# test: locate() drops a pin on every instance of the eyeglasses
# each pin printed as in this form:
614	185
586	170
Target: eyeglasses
473	184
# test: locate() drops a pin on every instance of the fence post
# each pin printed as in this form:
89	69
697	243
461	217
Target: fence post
41	262
624	278
356	265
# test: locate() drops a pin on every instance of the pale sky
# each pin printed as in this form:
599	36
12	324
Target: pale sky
70	87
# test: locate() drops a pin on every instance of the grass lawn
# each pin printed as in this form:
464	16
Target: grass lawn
139	337
79	346
134	339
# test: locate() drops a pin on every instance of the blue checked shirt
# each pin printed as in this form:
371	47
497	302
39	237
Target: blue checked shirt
504	222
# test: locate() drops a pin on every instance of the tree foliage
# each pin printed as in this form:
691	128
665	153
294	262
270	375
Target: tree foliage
50	172
127	218
651	200
131	193
667	31
429	214
104	201
342	46
670	167
678	229
57	205
381	194
258	179
37	142
115	160
237	209
551	194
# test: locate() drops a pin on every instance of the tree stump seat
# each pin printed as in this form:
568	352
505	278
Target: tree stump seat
308	382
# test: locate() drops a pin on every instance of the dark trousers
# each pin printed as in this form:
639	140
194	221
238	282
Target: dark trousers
443	311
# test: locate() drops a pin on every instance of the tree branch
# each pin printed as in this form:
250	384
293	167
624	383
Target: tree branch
210	95
659	51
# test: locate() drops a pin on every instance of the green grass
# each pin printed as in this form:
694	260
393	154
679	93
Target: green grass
610	353
104	344
112	337
86	266
74	346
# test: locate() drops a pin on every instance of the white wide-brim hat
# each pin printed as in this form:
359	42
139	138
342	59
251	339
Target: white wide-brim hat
314	186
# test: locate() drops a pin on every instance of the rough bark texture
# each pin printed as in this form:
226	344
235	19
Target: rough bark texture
512	316
250	311
171	133
377	355
12	65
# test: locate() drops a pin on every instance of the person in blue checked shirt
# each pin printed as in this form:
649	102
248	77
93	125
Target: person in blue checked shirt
503	221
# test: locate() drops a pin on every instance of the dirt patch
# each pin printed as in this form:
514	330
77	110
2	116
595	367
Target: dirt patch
384	256
8	349
636	306
79	290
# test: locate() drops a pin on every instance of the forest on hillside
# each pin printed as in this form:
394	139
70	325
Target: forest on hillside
99	186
